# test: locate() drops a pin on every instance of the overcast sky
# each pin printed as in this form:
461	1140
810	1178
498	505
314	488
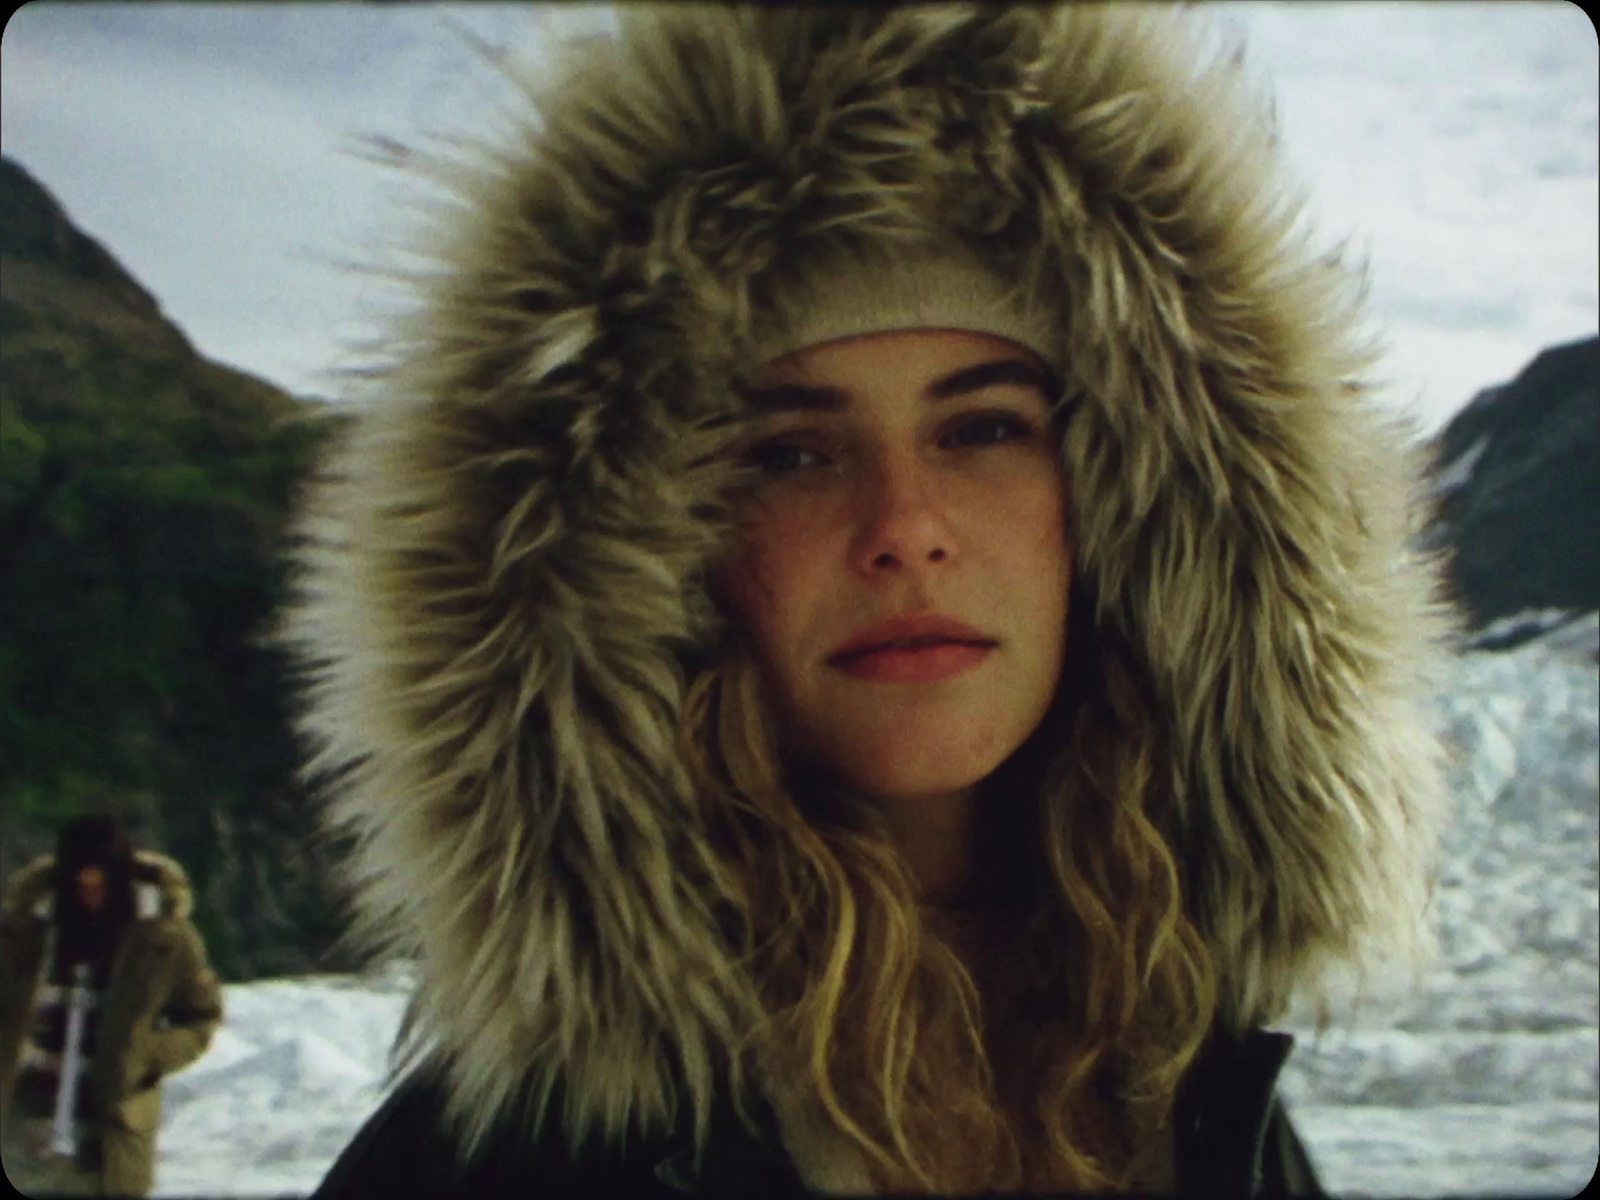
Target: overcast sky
209	146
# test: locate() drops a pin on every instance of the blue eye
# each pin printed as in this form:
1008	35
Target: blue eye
988	430
779	458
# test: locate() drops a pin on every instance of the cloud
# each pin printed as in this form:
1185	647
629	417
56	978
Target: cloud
1456	146
209	147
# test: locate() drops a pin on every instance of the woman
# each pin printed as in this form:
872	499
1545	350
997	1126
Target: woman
104	991
865	630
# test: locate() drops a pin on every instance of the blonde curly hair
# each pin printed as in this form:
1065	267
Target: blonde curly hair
882	1020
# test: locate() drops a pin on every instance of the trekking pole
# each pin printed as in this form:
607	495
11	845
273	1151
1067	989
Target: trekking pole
61	1137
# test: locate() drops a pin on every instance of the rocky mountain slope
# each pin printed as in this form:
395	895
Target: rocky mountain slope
1519	489
143	491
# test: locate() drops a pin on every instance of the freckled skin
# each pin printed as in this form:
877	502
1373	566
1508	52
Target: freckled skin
876	512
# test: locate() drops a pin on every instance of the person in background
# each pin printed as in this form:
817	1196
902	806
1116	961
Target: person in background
105	990
864	628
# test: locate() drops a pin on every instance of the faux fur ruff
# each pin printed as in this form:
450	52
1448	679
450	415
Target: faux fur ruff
161	887
499	569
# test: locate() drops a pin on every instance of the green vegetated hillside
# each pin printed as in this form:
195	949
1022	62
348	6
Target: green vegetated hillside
143	501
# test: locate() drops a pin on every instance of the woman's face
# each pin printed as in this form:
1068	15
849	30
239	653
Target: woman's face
905	474
91	888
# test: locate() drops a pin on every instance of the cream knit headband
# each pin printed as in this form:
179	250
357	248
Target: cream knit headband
846	296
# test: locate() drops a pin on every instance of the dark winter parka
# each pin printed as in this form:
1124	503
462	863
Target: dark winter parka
161	1007
501	582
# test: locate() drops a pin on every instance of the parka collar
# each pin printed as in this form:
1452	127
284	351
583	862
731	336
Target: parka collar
1221	1119
161	887
1222	1112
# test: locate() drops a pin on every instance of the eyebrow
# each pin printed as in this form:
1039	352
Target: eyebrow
805	397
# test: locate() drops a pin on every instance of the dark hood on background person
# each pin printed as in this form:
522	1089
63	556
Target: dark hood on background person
100	841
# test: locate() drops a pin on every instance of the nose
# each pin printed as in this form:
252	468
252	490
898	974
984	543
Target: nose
903	521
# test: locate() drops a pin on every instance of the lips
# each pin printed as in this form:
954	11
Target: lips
910	633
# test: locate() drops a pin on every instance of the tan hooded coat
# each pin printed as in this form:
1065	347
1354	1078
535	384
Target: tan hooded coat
501	581
161	1007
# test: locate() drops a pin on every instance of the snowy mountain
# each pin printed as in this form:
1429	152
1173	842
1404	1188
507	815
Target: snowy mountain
1519	497
1485	1081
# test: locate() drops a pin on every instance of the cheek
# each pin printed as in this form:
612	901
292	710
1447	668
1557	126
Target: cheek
763	578
1036	539
1027	517
1054	545
747	595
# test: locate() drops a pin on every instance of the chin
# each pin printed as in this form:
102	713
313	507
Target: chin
882	776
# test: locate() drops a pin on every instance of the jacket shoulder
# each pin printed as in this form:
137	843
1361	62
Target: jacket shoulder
28	885
1286	1168
406	1147
170	881
402	1147
187	934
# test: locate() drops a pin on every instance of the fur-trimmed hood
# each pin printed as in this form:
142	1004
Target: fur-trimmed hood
500	573
161	887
